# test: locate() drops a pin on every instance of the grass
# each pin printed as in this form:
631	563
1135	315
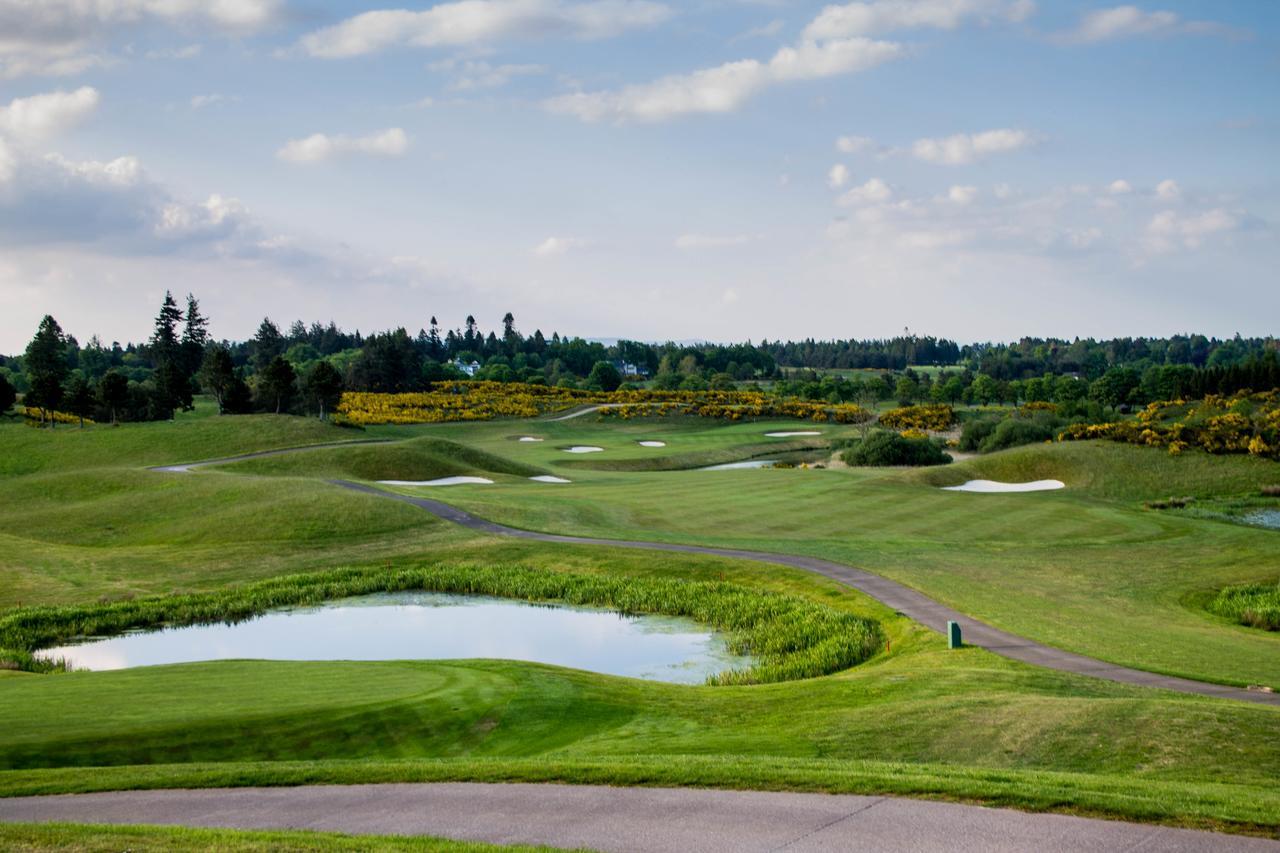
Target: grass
80	838
424	458
789	637
1087	569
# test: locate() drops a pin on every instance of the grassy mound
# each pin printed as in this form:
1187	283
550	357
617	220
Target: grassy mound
1113	471
699	458
188	439
790	637
1256	605
417	459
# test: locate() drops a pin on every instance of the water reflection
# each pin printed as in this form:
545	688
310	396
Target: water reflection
425	625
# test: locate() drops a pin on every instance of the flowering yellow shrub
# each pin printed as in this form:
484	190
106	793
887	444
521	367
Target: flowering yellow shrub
1039	406
465	401
920	418
36	415
1245	423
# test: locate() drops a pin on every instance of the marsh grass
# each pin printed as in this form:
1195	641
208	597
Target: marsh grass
789	636
1256	605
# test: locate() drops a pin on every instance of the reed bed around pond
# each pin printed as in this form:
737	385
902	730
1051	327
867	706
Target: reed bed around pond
790	637
1256	605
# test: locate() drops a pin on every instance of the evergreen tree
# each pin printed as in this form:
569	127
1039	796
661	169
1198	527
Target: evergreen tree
323	387
266	345
195	336
218	375
45	363
79	396
113	393
172	380
8	395
276	384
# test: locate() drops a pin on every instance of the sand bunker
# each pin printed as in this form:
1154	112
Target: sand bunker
652	443
735	466
443	481
547	478
583	448
994	486
793	432
529	438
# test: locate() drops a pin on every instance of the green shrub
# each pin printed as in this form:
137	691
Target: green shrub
890	448
974	432
1013	432
1256	605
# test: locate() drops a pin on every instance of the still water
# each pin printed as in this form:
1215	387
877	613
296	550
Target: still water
433	626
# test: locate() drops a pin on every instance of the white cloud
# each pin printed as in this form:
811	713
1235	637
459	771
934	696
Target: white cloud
191	51
962	194
1120	22
838	176
689	242
1119	187
729	296
964	148
120	172
764	31
725	87
212	99
320	146
478	74
553	246
1168	190
859	19
41	116
873	191
854	144
62	37
1168	229
479	21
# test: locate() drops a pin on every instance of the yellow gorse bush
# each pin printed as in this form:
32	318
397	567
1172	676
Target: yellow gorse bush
36	415
482	401
919	418
1244	423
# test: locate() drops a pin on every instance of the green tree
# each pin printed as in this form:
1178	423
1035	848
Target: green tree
45	362
276	384
217	375
8	395
323	387
267	343
113	393
983	389
604	376
1114	387
906	390
195	336
79	397
172	380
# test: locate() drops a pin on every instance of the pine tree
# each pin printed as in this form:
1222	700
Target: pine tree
195	336
45	363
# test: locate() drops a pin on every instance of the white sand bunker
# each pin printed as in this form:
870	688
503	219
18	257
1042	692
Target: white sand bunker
793	432
529	438
994	486
583	448
443	481
547	478
738	466
652	443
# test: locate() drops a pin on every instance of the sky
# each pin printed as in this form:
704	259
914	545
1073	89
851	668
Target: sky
703	169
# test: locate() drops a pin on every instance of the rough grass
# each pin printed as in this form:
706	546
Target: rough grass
1256	605
425	458
789	637
90	838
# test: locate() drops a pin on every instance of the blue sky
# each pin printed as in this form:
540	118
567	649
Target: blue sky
722	169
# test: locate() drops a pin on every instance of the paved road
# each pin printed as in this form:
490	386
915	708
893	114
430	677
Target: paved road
911	603
653	820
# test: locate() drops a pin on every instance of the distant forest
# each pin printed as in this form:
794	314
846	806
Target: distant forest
307	367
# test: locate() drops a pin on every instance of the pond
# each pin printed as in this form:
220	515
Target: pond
1264	518
433	626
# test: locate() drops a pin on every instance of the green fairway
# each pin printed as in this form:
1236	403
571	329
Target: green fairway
87	521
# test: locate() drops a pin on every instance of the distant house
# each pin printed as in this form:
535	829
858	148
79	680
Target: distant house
626	368
469	369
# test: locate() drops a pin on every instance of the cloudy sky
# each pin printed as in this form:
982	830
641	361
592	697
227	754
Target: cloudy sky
721	169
